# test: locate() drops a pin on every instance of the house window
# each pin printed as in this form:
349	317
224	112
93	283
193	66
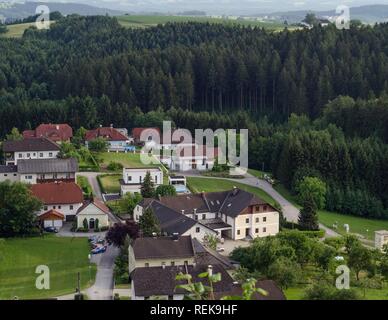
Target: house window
146	264
41	155
257	220
156	179
71	207
54	207
50	154
129	178
265	208
196	217
34	154
265	219
20	155
204	217
5	175
264	230
15	174
28	177
28	155
257	208
257	230
45	208
247	220
172	263
197	229
170	297
238	232
59	207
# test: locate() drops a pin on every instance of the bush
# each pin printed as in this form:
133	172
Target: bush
114	166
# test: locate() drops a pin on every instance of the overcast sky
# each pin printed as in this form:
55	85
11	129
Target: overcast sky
222	6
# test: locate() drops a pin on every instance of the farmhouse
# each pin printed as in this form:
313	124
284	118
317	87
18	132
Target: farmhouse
95	213
117	140
63	197
172	222
234	214
161	252
55	132
36	148
134	177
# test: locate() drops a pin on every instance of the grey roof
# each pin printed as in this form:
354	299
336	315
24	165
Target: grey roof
158	281
170	220
33	144
8	169
48	166
163	247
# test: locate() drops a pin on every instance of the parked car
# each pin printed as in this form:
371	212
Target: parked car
98	250
51	229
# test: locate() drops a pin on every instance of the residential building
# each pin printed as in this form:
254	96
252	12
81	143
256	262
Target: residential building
116	138
179	183
55	132
172	222
134	177
96	214
234	214
40	171
52	218
36	148
161	252
64	197
381	239
142	135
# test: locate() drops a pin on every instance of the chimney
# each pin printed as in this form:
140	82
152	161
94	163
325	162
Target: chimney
57	127
195	210
210	270
100	125
111	125
183	211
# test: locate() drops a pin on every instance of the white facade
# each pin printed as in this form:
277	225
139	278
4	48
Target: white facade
134	177
31	155
68	210
381	239
200	163
11	176
32	178
91	213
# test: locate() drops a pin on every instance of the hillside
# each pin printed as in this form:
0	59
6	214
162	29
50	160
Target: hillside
367	14
18	11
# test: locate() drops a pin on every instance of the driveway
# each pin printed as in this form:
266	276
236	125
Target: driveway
290	212
103	286
65	231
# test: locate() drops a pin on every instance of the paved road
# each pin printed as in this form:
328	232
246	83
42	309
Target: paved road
103	287
92	178
290	212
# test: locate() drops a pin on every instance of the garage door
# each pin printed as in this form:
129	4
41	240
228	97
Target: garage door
53	223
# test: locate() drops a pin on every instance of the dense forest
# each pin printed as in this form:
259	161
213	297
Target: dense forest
315	101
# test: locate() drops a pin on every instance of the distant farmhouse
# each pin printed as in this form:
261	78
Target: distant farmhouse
117	139
234	214
55	132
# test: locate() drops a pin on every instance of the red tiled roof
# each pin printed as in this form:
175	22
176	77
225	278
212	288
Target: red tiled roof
55	132
52	215
108	133
58	193
136	132
99	204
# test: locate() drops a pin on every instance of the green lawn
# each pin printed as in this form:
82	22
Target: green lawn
128	160
211	185
17	30
64	257
139	21
358	225
110	183
257	173
83	182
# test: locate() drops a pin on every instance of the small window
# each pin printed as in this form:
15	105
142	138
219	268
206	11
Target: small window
28	155
204	217
15	174
54	207
197	229
196	217
59	207
50	154
130	178
71	207
264	230
5	175
238	232
257	208
264	219
156	179
45	208
41	155
257	230
146	264
257	220
172	263
265	208
247	220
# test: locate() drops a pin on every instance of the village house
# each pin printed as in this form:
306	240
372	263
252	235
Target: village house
95	213
63	197
134	177
161	252
55	132
36	148
172	222
117	139
234	214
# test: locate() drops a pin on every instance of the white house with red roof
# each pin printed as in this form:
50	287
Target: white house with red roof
95	214
55	132
63	197
117	140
